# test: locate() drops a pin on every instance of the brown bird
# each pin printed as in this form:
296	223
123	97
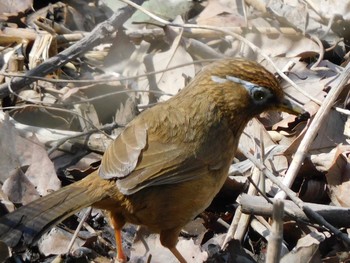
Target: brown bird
170	161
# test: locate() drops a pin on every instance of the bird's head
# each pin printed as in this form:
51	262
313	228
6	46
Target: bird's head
247	87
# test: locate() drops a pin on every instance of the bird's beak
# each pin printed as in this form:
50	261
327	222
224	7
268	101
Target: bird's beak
291	107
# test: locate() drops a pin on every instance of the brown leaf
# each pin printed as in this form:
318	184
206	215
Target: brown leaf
336	164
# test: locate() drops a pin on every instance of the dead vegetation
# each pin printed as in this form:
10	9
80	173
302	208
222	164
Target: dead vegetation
73	73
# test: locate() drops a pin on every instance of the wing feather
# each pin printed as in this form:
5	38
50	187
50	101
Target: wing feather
149	152
137	161
122	156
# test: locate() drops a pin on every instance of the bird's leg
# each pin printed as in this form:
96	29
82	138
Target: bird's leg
178	255
117	222
169	238
120	252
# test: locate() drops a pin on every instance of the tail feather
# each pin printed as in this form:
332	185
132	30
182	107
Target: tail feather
27	223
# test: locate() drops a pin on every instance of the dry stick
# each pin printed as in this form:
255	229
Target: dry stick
233	227
59	142
81	223
262	206
311	133
240	221
312	215
97	36
245	219
273	254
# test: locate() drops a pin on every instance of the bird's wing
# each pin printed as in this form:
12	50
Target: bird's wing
123	155
137	160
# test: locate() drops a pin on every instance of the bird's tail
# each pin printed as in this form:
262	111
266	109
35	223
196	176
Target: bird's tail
27	223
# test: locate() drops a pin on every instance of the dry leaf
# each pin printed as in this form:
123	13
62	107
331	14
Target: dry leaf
224	12
12	7
26	151
170	82
159	254
56	242
306	250
19	189
337	168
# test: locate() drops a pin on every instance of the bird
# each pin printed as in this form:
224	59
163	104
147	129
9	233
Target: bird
168	163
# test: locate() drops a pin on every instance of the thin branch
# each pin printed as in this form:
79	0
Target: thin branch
273	254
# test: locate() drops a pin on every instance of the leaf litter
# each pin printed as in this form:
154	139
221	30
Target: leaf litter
54	130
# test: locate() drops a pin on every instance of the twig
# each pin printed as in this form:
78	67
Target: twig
81	223
275	238
320	56
233	227
48	136
240	221
58	143
260	206
56	108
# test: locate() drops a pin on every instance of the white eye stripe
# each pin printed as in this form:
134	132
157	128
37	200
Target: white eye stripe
246	84
218	79
259	94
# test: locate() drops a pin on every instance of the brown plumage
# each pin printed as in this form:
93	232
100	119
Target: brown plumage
169	162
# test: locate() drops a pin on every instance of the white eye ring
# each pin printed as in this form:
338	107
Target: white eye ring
258	94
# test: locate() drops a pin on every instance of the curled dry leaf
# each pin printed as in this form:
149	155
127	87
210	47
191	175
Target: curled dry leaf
306	250
337	168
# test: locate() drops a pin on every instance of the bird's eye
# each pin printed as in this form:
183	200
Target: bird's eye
258	94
